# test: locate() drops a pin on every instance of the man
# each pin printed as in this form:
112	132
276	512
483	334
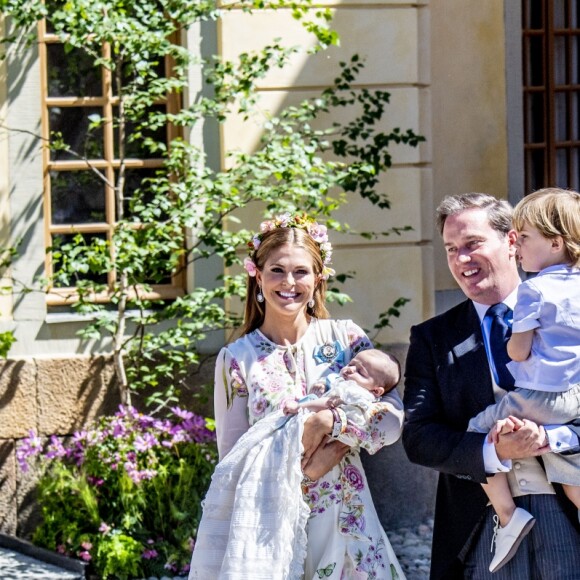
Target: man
449	379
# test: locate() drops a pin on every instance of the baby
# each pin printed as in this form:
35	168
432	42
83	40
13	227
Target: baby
369	375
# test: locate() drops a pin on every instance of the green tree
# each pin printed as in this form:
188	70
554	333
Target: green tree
7	338
297	166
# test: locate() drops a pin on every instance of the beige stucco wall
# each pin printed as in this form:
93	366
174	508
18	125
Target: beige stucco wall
392	37
468	91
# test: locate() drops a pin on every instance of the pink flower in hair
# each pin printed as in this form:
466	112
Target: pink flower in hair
267	226
250	267
318	232
284	220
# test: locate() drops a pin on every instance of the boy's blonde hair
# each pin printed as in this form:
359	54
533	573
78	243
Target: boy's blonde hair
553	212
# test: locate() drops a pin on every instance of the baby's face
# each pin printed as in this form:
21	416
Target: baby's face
363	369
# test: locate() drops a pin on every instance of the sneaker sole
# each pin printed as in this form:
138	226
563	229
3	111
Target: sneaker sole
525	531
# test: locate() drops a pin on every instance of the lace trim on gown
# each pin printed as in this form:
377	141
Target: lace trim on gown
254	514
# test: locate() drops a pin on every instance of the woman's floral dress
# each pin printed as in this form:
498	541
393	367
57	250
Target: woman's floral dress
253	378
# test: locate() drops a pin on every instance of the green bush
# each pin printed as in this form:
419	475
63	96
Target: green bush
125	495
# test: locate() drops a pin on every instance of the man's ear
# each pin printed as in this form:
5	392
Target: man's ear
512	236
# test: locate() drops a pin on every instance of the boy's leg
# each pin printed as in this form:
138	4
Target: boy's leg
513	523
500	496
573	494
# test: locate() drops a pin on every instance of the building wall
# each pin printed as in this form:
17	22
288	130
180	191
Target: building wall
392	38
468	100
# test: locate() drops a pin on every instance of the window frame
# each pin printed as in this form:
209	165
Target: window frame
550	121
59	296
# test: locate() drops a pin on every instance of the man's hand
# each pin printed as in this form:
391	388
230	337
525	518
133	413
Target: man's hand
326	456
526	440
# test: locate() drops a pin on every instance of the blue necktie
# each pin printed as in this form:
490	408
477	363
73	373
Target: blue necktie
499	333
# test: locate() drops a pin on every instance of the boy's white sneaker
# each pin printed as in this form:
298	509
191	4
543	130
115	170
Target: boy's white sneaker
507	540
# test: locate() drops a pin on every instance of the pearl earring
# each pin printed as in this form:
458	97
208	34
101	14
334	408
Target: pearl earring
259	295
311	303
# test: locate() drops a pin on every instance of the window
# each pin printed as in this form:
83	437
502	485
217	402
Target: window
78	195
551	79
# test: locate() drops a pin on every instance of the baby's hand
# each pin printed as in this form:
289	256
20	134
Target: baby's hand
334	401
501	427
318	389
290	407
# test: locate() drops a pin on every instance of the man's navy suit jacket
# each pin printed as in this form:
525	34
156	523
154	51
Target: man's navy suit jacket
447	382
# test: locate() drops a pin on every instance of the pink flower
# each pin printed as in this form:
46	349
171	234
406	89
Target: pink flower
104	528
267	226
318	232
283	219
149	554
250	267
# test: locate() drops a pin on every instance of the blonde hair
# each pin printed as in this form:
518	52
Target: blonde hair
270	241
553	212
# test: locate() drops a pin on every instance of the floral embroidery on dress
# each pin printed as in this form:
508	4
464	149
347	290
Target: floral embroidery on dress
351	521
354	477
263	346
238	386
359	343
322	494
374	560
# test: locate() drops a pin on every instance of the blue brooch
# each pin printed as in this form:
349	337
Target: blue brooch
329	352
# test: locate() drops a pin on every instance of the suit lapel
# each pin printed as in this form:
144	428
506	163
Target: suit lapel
468	360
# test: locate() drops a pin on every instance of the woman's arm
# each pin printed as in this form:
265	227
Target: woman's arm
230	402
382	424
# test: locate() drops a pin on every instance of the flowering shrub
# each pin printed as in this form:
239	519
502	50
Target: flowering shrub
125	495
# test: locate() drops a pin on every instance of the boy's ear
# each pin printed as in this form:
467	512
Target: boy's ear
378	391
557	243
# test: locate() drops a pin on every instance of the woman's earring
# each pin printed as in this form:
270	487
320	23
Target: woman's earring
259	295
311	303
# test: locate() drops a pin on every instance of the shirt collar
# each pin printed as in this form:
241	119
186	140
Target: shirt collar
509	300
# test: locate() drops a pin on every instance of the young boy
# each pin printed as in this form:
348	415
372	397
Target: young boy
545	348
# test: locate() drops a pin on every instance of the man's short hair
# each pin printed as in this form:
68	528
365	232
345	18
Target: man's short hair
499	211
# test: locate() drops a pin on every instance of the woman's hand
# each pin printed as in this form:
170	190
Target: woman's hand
326	456
316	430
320	455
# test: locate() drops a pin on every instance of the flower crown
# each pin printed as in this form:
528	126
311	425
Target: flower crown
317	232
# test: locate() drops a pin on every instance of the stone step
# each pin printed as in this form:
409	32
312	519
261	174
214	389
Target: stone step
21	560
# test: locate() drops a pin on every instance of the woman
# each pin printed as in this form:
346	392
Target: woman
287	344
